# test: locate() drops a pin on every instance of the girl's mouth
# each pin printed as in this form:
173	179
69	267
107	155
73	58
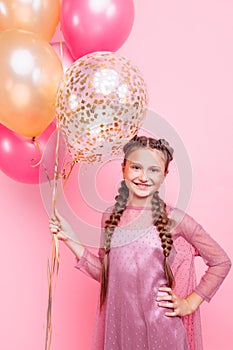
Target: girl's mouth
143	186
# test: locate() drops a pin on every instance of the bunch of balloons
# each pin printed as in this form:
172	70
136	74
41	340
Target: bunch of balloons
40	77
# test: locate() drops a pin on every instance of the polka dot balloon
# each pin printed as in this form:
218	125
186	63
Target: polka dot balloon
101	103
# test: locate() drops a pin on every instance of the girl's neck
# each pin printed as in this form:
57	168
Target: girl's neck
136	217
141	203
137	207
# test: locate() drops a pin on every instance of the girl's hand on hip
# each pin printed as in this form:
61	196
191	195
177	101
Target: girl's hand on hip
170	300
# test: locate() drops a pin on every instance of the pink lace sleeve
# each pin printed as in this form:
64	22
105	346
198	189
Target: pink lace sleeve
90	263
214	256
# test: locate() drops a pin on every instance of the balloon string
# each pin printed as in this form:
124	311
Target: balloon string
66	177
36	142
61	44
53	265
54	194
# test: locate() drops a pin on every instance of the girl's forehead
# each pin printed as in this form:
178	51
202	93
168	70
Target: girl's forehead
146	156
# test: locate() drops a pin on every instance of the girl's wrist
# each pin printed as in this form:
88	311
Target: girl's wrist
75	246
193	300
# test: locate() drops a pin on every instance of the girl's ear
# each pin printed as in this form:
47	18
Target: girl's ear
123	168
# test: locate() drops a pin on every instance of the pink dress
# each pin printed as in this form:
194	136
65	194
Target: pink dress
130	317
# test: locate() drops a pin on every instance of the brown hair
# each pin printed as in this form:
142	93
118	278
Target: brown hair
159	212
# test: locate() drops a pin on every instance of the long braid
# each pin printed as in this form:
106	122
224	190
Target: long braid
110	225
163	224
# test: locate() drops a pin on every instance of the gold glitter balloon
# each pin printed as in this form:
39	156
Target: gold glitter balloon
101	103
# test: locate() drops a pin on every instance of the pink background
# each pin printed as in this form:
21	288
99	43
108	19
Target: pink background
184	50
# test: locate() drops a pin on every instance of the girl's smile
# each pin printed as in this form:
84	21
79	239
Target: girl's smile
142	186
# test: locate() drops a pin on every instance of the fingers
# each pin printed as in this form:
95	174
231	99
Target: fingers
55	221
167	296
171	314
168	300
54	225
171	305
178	306
165	289
54	228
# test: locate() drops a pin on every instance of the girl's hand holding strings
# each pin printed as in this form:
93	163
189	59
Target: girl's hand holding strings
59	226
180	306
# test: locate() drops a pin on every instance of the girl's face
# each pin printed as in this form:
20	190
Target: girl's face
144	173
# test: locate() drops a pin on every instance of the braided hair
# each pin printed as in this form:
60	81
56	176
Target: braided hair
163	225
159	212
110	224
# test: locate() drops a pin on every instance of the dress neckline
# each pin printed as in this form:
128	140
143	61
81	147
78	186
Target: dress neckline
137	207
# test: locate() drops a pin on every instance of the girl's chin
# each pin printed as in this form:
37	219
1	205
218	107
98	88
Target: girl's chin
143	193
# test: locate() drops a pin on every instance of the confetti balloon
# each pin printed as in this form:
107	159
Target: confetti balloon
101	103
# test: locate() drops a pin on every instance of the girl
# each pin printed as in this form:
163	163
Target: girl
149	298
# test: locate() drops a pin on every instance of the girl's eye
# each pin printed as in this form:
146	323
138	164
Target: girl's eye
155	170
136	167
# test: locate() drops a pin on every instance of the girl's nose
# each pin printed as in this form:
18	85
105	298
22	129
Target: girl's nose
143	176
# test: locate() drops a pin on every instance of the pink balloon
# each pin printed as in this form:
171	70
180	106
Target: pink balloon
18	154
96	25
63	53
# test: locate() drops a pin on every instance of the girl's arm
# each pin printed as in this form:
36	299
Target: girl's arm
216	259
86	261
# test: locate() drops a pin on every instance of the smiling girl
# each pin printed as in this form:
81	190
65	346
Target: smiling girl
149	298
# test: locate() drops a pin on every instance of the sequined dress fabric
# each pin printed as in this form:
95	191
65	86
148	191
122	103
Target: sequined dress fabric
130	317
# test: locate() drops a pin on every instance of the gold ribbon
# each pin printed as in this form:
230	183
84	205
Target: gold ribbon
53	264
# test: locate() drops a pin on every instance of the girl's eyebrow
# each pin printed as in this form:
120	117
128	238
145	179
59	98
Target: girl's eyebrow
135	163
156	166
138	163
132	162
